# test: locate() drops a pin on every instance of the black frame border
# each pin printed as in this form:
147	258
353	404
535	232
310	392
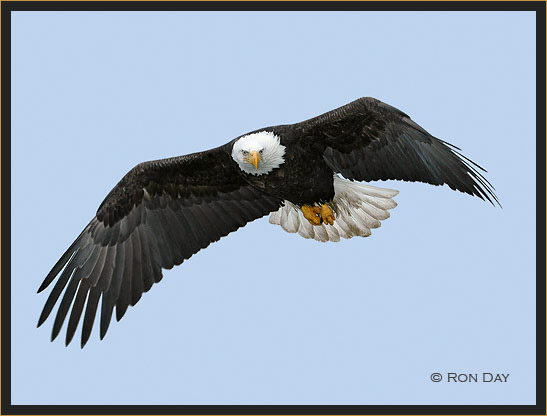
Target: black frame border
7	408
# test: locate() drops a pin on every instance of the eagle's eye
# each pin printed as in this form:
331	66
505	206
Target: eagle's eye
245	153
261	151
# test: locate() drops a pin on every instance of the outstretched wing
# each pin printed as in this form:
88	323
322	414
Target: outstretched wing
368	140
160	214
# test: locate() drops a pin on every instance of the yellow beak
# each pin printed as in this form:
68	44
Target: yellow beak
254	159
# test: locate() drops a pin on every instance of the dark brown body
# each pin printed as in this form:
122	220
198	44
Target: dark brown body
304	178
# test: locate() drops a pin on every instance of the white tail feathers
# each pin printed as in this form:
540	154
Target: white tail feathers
357	207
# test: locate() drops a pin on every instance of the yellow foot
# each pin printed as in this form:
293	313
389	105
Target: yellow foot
312	214
318	215
326	214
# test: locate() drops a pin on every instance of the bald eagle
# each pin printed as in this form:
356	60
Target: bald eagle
304	175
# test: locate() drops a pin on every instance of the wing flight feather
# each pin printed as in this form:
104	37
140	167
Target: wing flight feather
160	214
368	140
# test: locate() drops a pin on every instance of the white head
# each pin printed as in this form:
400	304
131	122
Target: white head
258	153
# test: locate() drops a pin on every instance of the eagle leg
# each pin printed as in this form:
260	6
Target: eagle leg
326	214
312	214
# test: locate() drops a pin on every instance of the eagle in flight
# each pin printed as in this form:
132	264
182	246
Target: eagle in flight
305	175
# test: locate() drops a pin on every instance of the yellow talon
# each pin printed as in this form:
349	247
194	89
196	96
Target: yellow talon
318	215
312	214
327	215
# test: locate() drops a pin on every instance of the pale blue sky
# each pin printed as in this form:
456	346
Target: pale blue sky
446	284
